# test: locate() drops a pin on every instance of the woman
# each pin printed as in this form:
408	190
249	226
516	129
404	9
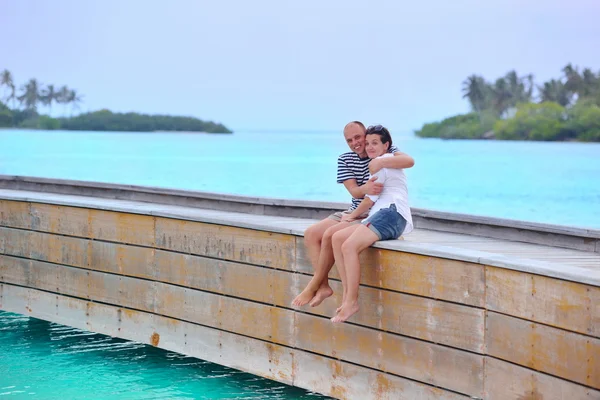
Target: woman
389	217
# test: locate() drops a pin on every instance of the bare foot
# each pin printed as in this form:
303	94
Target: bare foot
346	312
304	297
322	294
337	310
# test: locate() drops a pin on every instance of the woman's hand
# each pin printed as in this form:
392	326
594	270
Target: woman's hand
348	218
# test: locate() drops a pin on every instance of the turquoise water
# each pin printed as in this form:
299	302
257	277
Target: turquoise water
42	360
556	183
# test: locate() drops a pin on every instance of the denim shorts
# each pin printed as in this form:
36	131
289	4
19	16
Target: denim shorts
387	223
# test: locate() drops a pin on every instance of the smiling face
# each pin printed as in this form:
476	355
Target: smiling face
355	137
374	146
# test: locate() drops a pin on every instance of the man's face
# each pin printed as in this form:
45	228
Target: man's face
355	137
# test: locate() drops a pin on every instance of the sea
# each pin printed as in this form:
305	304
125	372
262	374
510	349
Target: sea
548	182
553	183
43	360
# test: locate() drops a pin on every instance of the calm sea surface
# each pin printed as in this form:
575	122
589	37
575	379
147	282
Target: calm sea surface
41	360
557	183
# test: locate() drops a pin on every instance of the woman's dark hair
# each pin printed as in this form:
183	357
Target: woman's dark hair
383	133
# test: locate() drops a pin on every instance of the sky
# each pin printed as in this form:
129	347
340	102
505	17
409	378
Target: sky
292	65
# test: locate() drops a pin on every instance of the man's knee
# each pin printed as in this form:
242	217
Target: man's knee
312	233
315	232
328	234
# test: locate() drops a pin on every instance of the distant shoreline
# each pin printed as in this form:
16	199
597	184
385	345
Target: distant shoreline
107	121
513	107
10	128
27	99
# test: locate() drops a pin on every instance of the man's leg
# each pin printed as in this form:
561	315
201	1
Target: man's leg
361	238
326	260
313	237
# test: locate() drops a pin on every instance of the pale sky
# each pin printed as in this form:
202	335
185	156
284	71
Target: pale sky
293	65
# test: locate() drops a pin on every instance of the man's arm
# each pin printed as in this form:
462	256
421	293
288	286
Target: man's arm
399	161
367	202
358	192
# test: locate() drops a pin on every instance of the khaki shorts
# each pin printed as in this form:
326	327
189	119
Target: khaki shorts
338	217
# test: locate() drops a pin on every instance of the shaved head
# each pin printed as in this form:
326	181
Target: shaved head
355	123
354	133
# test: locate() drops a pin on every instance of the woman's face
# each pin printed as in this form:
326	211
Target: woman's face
374	146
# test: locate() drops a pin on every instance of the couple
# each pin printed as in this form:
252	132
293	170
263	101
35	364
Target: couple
373	174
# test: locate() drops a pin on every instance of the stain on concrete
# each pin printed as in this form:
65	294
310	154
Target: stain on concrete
154	339
533	395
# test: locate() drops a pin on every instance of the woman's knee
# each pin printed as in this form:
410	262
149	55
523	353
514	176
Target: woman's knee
349	247
337	238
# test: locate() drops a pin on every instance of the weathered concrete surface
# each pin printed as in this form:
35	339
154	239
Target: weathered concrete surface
574	265
543	348
284	364
420	317
430	326
552	235
554	302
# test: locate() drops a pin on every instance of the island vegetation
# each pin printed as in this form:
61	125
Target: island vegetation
515	108
19	108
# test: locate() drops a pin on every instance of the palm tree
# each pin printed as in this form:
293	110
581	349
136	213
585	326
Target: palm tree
590	83
48	96
513	87
6	79
555	91
30	95
520	88
62	97
74	99
476	89
530	86
502	96
573	79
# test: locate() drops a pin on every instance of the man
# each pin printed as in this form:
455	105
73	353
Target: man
353	172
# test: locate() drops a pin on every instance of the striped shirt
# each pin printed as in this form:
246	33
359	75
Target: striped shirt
351	166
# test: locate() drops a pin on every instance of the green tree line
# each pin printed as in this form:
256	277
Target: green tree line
513	107
19	109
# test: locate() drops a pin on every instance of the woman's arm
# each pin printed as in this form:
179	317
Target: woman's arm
362	208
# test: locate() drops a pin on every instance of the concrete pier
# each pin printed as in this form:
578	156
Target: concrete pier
465	307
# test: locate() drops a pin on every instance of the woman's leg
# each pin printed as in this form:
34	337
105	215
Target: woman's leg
337	240
361	238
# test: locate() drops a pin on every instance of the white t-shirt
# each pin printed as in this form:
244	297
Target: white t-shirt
394	192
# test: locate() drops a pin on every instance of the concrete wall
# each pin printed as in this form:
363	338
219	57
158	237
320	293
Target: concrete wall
552	235
429	327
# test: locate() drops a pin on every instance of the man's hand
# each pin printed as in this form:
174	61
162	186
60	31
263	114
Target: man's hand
371	187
